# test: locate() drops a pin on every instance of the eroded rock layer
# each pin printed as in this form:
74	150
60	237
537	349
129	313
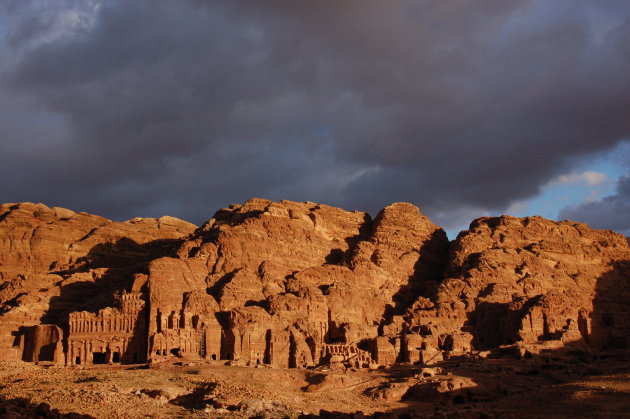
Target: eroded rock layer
533	283
54	261
297	284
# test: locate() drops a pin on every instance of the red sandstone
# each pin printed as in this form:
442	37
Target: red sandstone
297	284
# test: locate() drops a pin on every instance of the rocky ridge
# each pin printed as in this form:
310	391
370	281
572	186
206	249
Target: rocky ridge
299	284
532	283
53	260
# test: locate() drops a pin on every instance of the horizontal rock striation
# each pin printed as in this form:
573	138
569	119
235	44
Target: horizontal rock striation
300	284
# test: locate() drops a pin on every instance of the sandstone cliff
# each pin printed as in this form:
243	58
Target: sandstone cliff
298	276
533	282
295	284
54	261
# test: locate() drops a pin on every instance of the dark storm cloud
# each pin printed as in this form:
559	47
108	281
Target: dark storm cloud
153	107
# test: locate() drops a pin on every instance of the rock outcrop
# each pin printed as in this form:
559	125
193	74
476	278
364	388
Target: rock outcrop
54	261
531	283
299	284
290	278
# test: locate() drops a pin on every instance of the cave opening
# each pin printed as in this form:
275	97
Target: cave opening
99	358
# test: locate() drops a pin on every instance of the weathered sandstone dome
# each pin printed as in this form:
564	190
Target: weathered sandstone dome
296	284
533	282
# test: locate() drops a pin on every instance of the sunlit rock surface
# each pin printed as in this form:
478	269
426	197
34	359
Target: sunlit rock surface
291	284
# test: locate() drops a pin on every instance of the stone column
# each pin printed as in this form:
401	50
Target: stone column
89	356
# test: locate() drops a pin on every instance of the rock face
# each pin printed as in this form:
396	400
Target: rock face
54	261
529	282
289	279
298	284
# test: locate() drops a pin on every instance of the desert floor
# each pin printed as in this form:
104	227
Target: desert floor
487	388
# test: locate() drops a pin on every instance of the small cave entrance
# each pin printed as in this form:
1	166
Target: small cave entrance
99	358
175	352
47	352
214	357
268	347
447	344
77	360
116	357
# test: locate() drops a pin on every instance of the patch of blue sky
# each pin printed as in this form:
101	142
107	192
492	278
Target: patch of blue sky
592	178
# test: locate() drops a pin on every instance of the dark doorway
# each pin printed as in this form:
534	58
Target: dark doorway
116	357
78	360
99	358
47	352
214	357
268	347
175	351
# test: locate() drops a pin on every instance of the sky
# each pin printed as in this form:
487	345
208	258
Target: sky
467	109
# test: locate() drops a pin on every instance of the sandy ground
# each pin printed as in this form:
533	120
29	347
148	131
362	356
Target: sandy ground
475	389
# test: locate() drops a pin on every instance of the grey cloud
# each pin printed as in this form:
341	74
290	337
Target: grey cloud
184	107
611	212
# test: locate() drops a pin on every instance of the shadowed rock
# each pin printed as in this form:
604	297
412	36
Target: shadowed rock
292	284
